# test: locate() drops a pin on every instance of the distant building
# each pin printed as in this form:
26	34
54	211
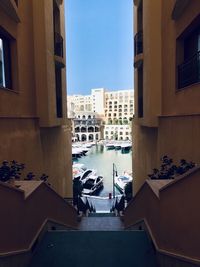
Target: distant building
119	106
87	126
117	132
115	109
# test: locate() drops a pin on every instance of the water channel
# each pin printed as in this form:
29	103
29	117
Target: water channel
101	159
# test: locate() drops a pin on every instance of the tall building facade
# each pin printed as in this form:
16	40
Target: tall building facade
34	128
167	67
167	122
119	106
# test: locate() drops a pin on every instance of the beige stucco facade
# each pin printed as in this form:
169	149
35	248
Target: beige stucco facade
170	120
34	128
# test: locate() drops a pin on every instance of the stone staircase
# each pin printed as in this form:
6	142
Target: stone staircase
101	222
100	242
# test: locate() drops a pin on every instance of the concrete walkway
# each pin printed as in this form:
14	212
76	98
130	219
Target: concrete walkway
101	222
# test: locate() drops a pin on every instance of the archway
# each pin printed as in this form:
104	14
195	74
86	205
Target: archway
91	137
77	129
83	129
96	129
83	137
90	129
77	138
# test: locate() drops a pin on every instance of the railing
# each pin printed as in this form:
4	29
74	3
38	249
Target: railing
189	71
91	122
138	43
58	44
140	107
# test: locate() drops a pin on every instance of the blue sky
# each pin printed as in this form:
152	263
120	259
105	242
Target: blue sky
99	45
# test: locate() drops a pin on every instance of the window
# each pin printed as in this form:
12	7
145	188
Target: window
140	91
58	39
5	63
188	55
58	82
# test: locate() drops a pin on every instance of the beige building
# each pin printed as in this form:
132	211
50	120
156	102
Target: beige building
167	122
33	123
116	108
166	83
117	132
112	106
119	106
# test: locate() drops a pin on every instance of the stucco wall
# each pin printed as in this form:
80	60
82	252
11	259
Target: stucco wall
173	217
21	218
31	104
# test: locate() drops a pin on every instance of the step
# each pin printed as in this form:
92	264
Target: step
101	214
94	249
101	223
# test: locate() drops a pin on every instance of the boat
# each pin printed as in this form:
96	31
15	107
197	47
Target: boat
76	153
88	145
93	184
122	180
86	174
79	166
125	147
110	146
78	169
118	145
85	148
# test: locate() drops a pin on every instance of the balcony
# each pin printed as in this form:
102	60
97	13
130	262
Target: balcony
189	71
92	122
58	44
138	43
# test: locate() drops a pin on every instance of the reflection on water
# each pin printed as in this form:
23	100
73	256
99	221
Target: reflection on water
102	160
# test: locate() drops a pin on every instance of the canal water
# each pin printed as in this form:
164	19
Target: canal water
101	159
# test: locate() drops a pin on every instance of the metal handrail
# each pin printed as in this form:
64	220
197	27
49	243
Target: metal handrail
189	71
58	44
138	43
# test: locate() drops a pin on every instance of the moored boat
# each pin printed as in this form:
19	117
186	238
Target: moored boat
93	184
76	153
122	180
118	145
110	146
86	174
125	147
